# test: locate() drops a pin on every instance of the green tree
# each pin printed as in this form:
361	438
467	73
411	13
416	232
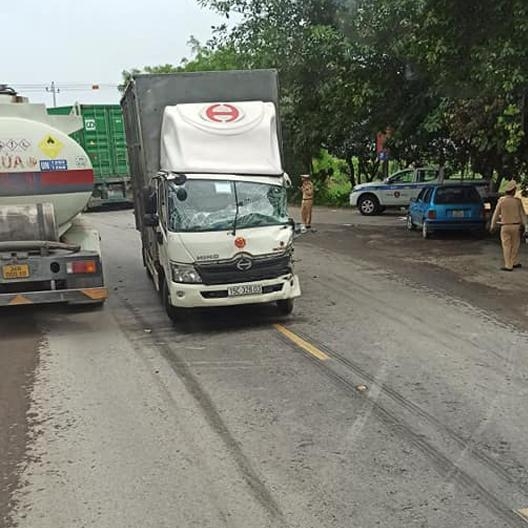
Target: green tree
449	77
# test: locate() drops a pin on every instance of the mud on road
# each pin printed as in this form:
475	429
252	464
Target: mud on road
19	352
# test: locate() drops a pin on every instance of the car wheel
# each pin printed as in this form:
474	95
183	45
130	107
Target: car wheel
172	312
410	223
368	205
285	306
426	232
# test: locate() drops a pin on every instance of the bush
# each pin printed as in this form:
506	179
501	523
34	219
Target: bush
335	195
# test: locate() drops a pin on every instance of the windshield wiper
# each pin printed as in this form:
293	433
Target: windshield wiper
235	221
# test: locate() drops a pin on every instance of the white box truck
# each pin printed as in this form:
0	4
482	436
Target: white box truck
48	253
209	185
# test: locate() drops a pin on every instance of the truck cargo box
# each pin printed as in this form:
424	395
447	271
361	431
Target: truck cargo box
103	138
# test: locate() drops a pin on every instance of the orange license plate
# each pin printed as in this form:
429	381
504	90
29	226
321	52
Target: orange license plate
15	271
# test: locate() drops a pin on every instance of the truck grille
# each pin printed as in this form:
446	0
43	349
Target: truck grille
245	268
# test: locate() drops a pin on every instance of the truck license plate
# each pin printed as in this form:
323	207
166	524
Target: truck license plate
15	271
458	214
241	291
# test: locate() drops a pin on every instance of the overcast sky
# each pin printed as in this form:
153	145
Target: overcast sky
90	42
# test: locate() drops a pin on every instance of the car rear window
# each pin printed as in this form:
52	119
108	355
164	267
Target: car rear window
457	195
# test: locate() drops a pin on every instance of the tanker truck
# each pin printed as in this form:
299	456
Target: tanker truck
209	184
48	253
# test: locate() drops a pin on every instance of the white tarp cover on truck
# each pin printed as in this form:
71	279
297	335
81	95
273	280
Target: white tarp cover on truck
221	138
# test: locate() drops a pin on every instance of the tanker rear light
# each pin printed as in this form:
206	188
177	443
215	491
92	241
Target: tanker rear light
81	267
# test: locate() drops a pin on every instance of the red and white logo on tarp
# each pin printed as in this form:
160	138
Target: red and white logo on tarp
223	113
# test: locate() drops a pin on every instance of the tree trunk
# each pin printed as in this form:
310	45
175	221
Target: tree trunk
360	169
352	171
373	171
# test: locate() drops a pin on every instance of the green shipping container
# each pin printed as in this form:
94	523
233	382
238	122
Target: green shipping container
103	139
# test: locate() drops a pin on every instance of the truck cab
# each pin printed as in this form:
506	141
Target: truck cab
221	240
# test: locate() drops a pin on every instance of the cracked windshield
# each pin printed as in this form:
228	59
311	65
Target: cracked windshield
216	205
264	264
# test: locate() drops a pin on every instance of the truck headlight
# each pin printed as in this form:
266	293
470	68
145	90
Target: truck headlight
185	274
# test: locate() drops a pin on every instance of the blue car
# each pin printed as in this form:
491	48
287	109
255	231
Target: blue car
446	207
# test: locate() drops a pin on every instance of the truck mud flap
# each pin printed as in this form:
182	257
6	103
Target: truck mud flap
80	296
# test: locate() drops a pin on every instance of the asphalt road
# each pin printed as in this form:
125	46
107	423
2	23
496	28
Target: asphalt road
394	396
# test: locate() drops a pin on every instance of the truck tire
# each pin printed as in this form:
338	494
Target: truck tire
172	312
285	306
147	269
369	205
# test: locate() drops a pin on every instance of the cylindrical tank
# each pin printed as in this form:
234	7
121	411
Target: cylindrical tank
40	163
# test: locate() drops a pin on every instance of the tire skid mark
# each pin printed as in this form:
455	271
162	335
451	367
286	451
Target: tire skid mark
417	410
256	486
442	463
382	306
398	398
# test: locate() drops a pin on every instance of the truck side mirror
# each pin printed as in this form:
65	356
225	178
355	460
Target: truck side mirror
150	201
151	220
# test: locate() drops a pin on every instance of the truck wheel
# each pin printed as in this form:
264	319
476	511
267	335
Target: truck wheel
285	306
147	269
172	312
368	205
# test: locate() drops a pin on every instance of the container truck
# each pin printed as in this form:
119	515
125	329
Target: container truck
206	164
103	139
48	253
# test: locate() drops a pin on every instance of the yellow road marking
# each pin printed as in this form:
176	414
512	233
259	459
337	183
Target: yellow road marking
301	343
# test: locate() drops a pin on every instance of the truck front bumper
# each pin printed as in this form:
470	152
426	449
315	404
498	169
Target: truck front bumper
201	296
80	296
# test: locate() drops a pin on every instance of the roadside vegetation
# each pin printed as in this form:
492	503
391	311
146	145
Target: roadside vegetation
447	79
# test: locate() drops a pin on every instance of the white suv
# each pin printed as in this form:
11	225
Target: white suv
396	191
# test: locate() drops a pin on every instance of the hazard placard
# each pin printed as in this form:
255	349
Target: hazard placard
51	146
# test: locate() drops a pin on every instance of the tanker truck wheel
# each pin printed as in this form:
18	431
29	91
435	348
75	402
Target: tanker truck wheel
88	307
95	307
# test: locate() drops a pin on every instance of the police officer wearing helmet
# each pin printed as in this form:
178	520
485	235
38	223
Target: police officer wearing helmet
511	216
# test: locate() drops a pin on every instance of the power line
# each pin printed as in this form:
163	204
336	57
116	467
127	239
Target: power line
56	88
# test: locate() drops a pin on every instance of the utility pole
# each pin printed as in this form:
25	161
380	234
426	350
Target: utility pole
54	91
